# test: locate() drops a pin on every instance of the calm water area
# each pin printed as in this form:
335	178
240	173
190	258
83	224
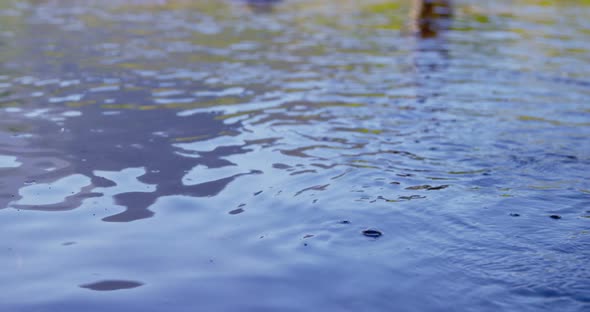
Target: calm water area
296	155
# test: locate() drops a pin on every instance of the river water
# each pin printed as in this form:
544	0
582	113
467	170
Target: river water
227	156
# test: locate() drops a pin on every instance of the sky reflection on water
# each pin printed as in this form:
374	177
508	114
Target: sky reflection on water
227	156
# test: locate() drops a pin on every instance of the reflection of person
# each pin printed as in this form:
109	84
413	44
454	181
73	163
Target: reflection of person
429	17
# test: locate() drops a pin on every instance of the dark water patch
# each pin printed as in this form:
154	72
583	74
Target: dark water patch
111	285
236	211
313	188
411	197
372	233
418	187
427	187
438	187
281	166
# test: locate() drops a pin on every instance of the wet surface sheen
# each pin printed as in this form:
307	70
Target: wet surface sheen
294	156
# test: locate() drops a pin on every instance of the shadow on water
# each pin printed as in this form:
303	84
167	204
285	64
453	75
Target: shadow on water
96	141
114	148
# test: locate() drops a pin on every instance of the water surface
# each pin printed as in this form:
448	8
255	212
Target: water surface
229	155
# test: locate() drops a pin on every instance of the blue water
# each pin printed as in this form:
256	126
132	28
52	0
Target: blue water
228	156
